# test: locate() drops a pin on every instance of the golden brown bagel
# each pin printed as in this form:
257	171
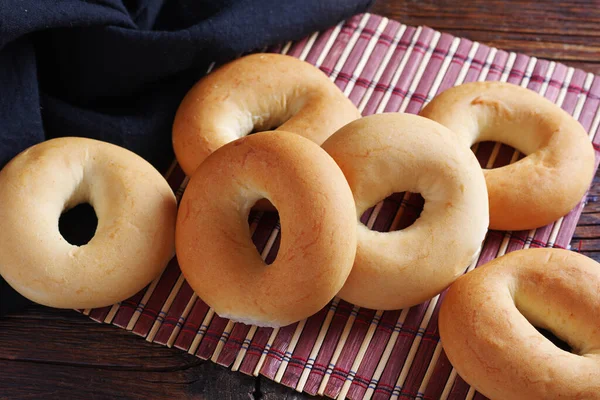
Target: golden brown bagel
258	92
487	333
318	229
134	238
387	153
558	168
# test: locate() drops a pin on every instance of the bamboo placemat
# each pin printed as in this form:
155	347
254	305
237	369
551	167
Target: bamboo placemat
346	351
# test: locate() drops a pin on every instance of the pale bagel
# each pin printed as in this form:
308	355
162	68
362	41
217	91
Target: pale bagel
387	153
258	92
318	229
134	238
559	162
486	326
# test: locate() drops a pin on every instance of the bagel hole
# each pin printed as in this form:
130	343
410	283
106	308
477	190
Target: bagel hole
78	224
271	119
394	213
495	154
561	344
270	123
265	230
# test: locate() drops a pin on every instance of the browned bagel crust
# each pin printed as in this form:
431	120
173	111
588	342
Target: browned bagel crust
258	92
559	162
486	326
134	239
386	153
318	229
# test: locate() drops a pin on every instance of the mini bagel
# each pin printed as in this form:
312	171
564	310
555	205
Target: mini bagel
488	317
387	153
257	92
134	238
318	230
559	162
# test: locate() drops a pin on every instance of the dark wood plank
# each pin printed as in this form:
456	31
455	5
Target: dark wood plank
586	238
557	30
591	218
593	205
66	329
54	354
51	354
274	391
47	381
587	232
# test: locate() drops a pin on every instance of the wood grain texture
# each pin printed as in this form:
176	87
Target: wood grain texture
564	31
54	354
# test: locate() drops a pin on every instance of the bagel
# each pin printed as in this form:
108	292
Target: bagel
258	92
559	164
134	238
387	153
488	317
318	231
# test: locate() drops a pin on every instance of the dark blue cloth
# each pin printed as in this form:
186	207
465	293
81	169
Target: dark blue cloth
116	70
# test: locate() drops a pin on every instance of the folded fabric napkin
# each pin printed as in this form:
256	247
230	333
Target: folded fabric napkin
116	70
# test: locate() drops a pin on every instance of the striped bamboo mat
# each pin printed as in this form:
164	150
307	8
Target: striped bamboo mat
346	351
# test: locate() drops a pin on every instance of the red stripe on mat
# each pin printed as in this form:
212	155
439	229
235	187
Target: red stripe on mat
303	348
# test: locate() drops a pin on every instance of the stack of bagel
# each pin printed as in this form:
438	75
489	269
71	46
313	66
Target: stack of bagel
272	132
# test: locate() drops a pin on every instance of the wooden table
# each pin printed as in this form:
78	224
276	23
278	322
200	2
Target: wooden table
48	353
